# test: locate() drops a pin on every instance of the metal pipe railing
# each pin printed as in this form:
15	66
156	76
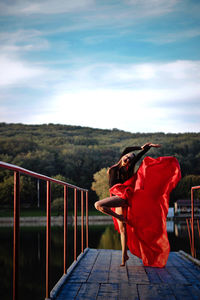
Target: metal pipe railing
87	231
190	222
82	222
16	244
48	238
75	223
16	238
65	227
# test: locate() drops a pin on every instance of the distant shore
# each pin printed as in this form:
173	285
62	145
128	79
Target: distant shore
59	220
55	221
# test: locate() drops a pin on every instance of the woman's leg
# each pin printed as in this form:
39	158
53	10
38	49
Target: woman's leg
123	237
105	205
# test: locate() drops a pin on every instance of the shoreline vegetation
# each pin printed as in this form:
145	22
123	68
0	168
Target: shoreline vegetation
42	213
58	220
55	221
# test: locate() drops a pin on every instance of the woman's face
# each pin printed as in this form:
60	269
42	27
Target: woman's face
126	159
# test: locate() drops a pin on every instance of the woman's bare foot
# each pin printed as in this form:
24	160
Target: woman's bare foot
124	259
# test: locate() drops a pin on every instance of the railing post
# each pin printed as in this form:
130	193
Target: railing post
188	221
48	240
75	224
82	223
16	239
198	228
65	226
87	219
192	223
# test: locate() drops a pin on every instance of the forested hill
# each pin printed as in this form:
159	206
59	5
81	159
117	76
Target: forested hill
76	153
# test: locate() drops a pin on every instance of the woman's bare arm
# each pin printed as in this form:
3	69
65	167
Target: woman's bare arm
130	149
144	148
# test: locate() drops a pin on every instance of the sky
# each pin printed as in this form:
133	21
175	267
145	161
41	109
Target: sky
127	64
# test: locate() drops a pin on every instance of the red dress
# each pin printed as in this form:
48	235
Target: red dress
147	193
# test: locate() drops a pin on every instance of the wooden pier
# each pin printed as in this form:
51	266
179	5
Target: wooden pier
98	275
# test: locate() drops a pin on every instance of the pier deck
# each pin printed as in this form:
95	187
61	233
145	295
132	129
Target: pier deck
98	275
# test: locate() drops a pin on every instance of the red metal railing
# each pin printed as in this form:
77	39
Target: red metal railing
17	171
191	223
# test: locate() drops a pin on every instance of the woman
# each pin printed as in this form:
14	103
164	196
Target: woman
130	204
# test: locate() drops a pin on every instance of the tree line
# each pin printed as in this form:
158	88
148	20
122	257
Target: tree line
75	154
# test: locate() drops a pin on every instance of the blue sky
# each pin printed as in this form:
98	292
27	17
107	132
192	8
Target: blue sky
132	65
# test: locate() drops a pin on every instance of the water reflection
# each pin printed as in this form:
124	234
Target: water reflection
170	226
177	234
32	260
110	239
32	254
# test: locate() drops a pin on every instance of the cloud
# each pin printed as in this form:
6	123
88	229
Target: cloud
124	109
27	7
181	76
22	41
159	75
153	7
99	13
137	97
171	37
15	72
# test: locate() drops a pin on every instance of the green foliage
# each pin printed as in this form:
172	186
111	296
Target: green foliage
7	190
58	205
57	190
100	184
77	153
27	190
183	189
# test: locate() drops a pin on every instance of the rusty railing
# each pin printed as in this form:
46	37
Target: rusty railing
191	223
16	231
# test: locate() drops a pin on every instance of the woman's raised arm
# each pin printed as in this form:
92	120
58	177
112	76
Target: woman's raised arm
130	149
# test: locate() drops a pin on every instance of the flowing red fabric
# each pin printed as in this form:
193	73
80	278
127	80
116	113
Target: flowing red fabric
147	193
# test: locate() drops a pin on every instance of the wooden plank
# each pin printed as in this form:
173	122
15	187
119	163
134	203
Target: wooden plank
83	269
108	291
174	260
137	274
194	291
180	291
190	277
128	291
155	292
195	272
178	260
152	275
165	276
100	271
177	275
88	291
194	269
184	261
117	273
134	260
98	276
69	291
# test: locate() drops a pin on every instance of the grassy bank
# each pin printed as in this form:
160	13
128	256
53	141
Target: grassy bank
38	212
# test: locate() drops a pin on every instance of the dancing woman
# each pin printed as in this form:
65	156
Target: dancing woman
130	204
119	173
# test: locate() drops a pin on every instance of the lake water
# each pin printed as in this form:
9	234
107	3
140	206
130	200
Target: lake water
32	254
